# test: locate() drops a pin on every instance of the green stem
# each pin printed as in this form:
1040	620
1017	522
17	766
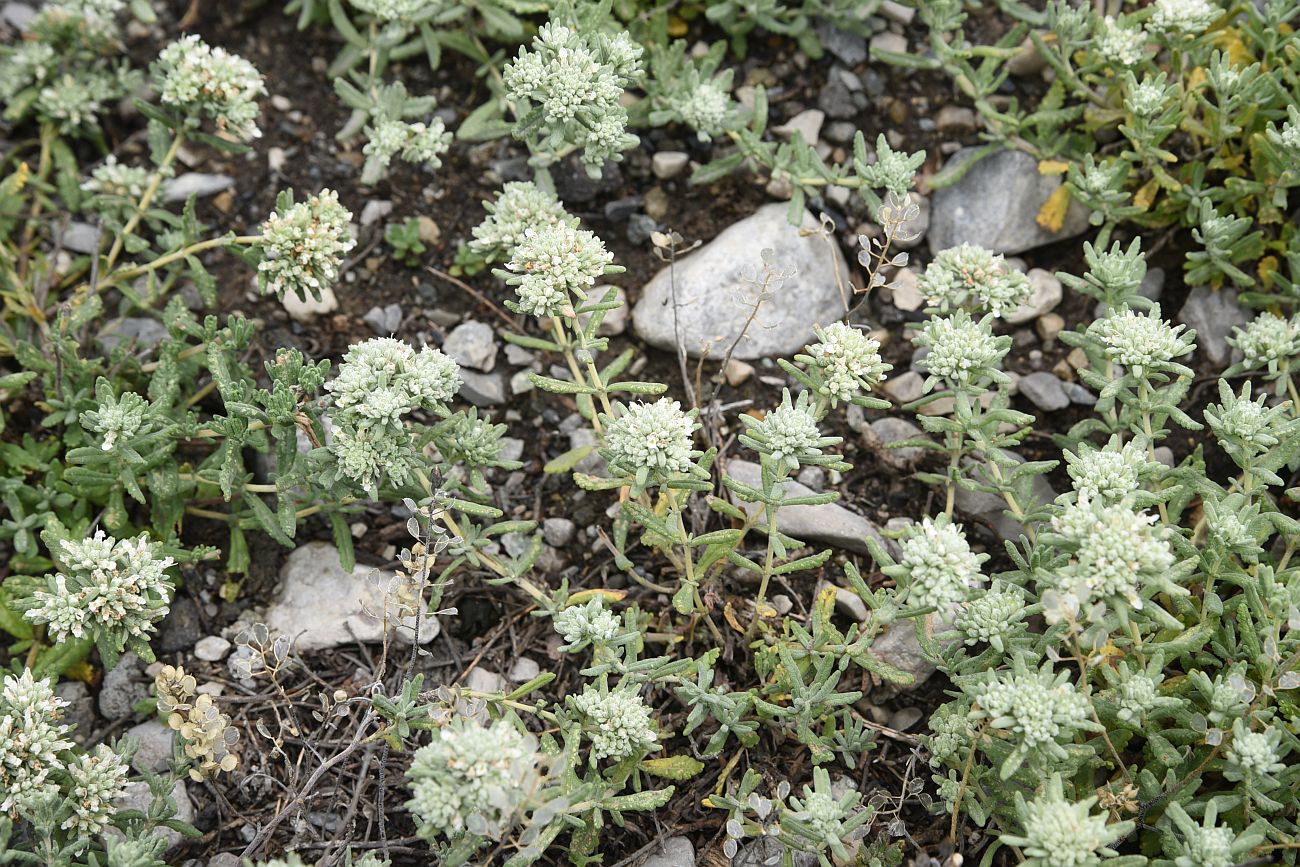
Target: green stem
143	205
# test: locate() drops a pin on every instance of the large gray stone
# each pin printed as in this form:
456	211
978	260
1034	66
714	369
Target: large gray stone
153	746
199	184
673	852
1214	315
831	524
996	205
992	509
123	686
322	606
136	796
472	344
714	299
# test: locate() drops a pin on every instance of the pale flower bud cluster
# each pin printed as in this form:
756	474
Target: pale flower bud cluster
788	434
98	779
618	723
1148	98
939	566
195	78
303	246
31	737
419	143
582	625
1117	552
1254	756
1141	340
705	109
389	11
472	779
1041	708
117	420
109	589
963	351
651	442
1268	340
1288	137
971	277
520	206
553	263
847	362
1244	423
1061	833
990	618
117	180
1109	474
1183	17
1120	44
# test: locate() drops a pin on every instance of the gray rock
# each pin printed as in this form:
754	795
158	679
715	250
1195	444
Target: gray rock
153	746
640	227
615	321
840	131
836	100
893	42
592	463
80	711
897	12
322	606
518	356
850	49
181	627
905	290
768	852
200	184
996	203
472	344
558	531
1044	391
483	389
906	387
146	333
812	477
1046	295
212	648
482	680
807	123
992	509
384	320
847	602
708	281
225	859
831	524
17	15
82	238
374	211
1153	286
524	670
669	164
136	796
512	448
1214	315
673	852
883	431
897	646
123	686
1079	394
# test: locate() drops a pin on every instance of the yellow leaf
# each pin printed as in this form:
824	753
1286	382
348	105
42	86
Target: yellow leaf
1052	167
729	614
1052	215
1145	196
1229	41
1268	266
1195	78
582	597
673	767
766	611
82	671
676	26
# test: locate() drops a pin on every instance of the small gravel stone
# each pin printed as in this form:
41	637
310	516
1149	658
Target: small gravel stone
830	524
384	321
1046	296
1049	327
850	49
1079	394
17	15
640	227
813	477
897	12
482	680
374	211
212	648
673	852
891	42
558	531
483	389
1044	391
954	118
906	292
524	670
906	387
1214	315
180	188
904	718
883	431
807	123
80	711
472	344
737	372
307	311
669	164
123	686
81	238
155	745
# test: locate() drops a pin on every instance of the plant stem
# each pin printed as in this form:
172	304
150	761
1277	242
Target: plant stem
145	199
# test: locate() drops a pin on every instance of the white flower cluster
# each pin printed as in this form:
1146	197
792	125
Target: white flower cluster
520	206
389	11
1210	847
418	143
472	779
303	246
969	276
950	731
31	738
1288	137
963	350
704	109
577	79
1254	756
1061	833
586	624
1149	98
75	102
1268	340
1141	340
847	362
553	262
1042	708
1135	696
1120	44
650	442
111	178
1109	474
117	419
109	588
1183	17
990	618
98	780
1246	423
196	78
1117	551
618	723
787	434
379	382
941	568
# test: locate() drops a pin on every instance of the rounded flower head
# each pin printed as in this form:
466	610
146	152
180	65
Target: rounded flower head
31	738
1246	427
992	617
617	723
1183	17
383	379
117	419
582	625
939	566
1039	708
1254	756
1148	98
705	109
520	206
846	362
972	277
303	245
472	779
1120	44
389	11
418	143
963	351
788	435
1288	137
117	180
1117	551
650	442
1061	833
367	455
195	78
1268	340
98	780
1141	341
553	262
1112	473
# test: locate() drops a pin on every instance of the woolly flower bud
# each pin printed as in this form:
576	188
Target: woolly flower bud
1109	474
787	434
1246	424
520	206
971	276
950	731
388	11
1209	847
368	454
1254	756
112	589
383	379
117	419
419	143
1149	98
1042	707
1183	17
1288	137
98	780
705	110
1267	340
990	618
1117	550
962	350
1061	833
1119	44
618	723
196	78
847	360
31	737
586	624
75	101
427	143
303	246
472	779
552	262
940	566
1141	340
119	180
650	441
474	440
